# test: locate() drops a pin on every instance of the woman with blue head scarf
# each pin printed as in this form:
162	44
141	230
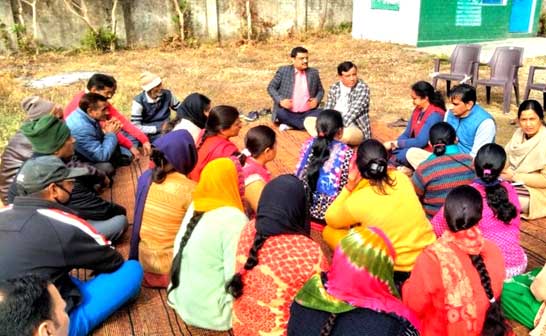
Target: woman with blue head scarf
162	198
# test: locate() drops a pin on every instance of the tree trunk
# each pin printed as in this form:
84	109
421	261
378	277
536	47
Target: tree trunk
114	25
20	13
248	21
180	19
323	16
34	22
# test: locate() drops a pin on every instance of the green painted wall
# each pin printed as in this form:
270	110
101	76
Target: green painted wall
438	17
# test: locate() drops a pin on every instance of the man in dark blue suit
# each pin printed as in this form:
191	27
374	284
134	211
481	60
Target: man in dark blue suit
296	91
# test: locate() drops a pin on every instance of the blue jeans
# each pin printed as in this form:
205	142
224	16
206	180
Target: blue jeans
103	295
112	228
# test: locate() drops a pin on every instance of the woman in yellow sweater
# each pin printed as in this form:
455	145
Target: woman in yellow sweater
381	197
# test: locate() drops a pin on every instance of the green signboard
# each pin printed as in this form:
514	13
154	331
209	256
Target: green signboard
393	5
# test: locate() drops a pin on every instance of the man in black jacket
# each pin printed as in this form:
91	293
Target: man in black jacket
40	235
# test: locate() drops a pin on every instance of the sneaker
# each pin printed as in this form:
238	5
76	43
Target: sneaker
252	116
284	127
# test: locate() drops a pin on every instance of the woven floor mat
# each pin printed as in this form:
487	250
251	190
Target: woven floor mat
149	313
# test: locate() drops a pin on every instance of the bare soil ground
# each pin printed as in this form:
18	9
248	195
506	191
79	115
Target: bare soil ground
237	75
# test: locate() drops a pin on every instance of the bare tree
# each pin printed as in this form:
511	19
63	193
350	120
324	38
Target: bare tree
248	20
32	4
114	25
180	12
20	16
80	9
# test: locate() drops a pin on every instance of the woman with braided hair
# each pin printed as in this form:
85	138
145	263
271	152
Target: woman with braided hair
324	163
222	124
275	256
357	296
378	196
500	218
446	168
456	283
205	247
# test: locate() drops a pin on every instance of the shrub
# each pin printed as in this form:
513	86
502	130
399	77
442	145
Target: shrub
102	40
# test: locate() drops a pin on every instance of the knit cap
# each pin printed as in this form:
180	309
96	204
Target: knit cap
36	107
149	80
46	134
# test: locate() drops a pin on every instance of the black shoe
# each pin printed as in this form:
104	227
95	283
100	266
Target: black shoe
252	116
123	160
401	122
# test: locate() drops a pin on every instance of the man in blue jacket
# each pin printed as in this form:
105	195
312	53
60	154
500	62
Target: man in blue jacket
95	143
474	126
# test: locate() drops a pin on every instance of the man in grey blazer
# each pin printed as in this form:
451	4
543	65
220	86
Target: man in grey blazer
296	91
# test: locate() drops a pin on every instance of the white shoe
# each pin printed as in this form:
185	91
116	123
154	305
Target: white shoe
284	127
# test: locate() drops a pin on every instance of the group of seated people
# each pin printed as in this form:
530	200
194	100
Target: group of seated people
428	255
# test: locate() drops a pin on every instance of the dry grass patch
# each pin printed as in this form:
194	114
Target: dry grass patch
235	75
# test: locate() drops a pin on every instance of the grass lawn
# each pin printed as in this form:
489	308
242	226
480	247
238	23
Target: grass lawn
238	75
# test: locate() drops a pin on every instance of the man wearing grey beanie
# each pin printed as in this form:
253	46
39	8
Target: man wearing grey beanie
19	148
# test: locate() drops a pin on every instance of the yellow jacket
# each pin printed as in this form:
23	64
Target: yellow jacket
398	213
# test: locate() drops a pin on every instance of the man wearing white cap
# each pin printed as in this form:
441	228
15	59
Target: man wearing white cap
151	109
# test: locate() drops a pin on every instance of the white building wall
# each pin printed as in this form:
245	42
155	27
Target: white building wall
386	25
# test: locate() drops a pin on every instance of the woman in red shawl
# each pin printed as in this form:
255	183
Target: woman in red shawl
222	123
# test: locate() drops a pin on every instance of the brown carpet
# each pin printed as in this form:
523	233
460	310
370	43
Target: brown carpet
149	313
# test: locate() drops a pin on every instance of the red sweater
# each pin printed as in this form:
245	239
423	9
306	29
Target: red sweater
112	112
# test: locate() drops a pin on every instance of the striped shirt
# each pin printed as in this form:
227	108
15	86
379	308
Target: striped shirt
437	175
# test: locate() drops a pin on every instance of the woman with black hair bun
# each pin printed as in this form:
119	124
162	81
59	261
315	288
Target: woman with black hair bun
456	283
275	256
429	109
500	219
324	163
381	197
446	168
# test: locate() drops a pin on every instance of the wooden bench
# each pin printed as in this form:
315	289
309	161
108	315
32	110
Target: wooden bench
149	313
